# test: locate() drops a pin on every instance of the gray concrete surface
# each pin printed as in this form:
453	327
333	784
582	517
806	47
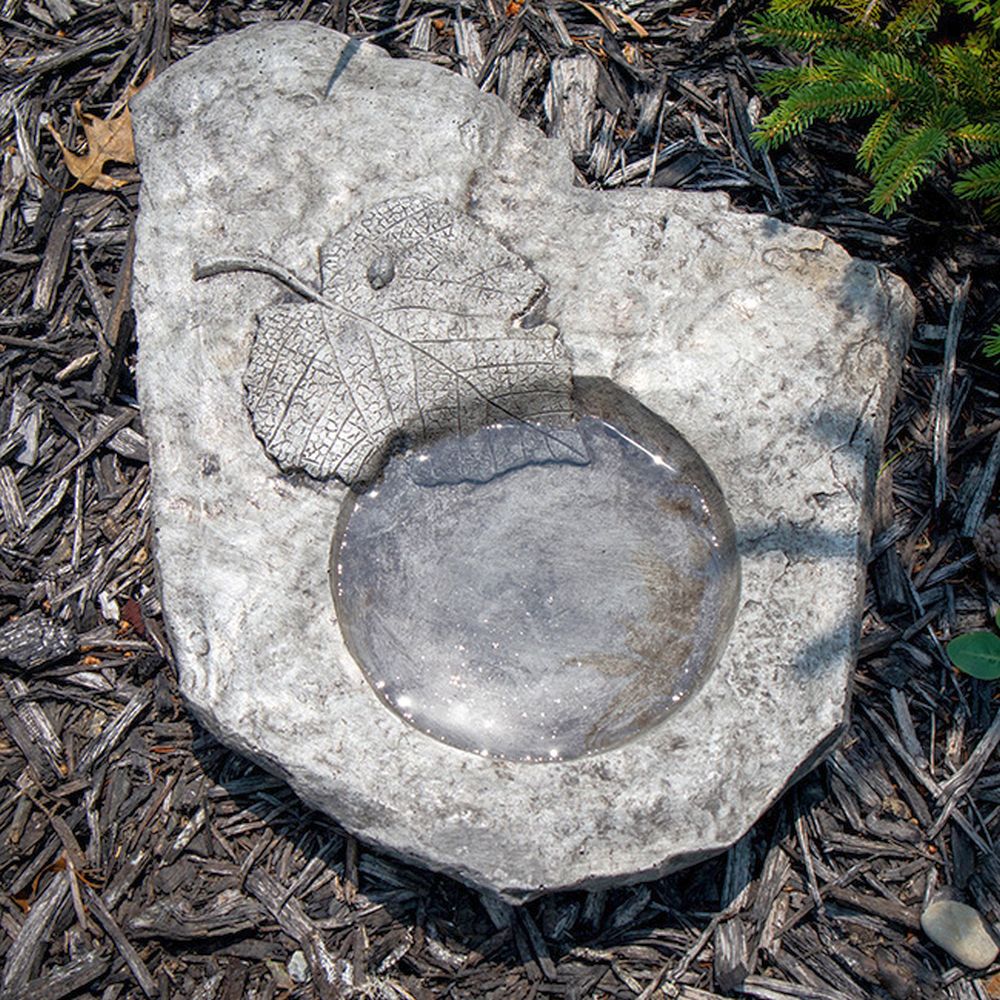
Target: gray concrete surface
766	346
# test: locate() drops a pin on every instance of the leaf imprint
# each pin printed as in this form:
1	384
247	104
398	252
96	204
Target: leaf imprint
420	328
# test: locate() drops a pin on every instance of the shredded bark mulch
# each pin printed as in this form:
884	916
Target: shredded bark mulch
139	857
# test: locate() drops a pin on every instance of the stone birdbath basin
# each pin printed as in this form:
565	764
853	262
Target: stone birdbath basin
520	527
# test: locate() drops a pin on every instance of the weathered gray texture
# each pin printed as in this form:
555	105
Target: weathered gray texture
771	351
34	640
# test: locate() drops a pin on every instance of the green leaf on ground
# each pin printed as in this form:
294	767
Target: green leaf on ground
976	654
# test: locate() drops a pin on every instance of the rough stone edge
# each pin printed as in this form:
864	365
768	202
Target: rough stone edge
878	436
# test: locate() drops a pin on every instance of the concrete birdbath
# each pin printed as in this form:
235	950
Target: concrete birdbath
521	527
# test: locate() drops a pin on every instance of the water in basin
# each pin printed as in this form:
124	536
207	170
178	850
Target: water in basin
555	611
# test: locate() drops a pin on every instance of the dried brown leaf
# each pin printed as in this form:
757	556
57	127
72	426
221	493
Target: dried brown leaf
108	140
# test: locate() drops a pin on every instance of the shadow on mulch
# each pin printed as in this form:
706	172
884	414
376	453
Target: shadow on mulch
582	940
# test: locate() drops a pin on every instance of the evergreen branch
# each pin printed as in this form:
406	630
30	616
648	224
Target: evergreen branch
858	11
846	65
818	100
973	76
829	65
926	96
907	80
980	181
979	134
916	20
790	6
804	31
782	81
905	164
884	131
985	12
991	343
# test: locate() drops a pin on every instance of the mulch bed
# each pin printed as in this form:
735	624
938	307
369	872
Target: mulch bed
139	857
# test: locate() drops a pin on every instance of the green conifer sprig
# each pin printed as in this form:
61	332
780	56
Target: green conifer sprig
806	31
930	98
981	181
911	158
991	343
915	21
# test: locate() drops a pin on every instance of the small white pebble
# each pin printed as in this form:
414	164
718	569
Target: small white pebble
298	968
960	931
